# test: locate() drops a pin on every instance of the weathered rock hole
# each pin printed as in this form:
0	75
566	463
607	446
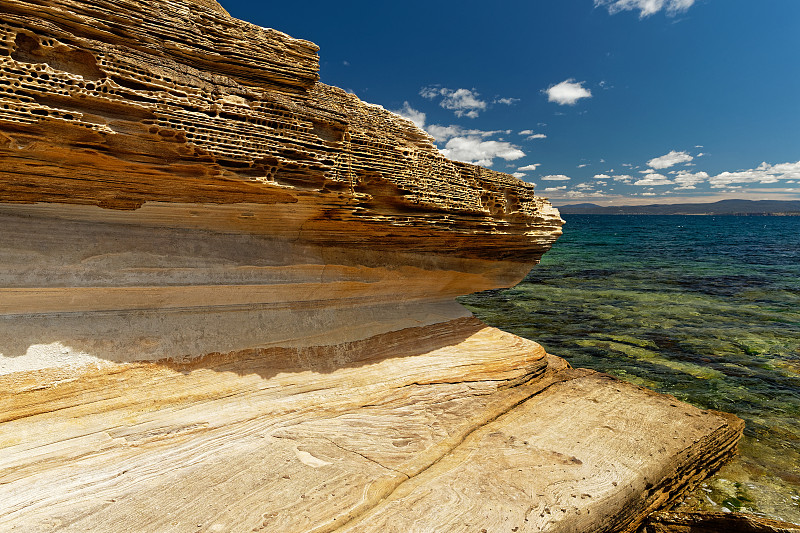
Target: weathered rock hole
29	50
131	84
328	132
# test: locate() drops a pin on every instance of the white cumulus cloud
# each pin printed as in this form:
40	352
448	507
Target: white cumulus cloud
645	7
764	173
463	102
473	145
784	170
654	179
602	177
531	135
443	133
687	180
479	152
568	92
529	167
556	177
671	159
506	101
417	117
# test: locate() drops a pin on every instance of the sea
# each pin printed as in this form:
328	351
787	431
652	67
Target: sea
704	308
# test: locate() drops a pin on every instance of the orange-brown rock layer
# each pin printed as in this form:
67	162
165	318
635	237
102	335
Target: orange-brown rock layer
116	105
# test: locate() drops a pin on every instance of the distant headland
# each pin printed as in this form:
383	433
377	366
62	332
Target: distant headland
723	207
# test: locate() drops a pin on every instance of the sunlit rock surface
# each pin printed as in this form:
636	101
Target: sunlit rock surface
227	304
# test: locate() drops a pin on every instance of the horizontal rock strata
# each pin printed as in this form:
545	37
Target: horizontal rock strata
453	427
227	304
164	156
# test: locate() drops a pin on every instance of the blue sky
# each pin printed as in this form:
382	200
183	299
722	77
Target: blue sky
603	101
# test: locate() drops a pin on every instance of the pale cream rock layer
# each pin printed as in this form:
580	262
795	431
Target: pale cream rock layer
180	281
454	427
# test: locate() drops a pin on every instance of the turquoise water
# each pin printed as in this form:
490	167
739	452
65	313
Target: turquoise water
704	308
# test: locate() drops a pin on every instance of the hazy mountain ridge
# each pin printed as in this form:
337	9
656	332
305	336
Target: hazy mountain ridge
722	207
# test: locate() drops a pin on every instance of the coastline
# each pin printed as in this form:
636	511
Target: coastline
699	307
720	208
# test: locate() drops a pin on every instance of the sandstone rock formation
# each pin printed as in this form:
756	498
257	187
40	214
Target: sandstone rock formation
160	155
226	304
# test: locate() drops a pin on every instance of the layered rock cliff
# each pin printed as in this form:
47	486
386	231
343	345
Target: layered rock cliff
163	155
227	303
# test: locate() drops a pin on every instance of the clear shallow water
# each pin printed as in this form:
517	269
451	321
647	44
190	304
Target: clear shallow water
704	308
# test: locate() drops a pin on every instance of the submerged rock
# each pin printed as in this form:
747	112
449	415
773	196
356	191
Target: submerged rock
227	304
706	522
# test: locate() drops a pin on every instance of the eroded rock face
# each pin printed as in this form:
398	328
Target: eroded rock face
171	102
227	304
164	156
